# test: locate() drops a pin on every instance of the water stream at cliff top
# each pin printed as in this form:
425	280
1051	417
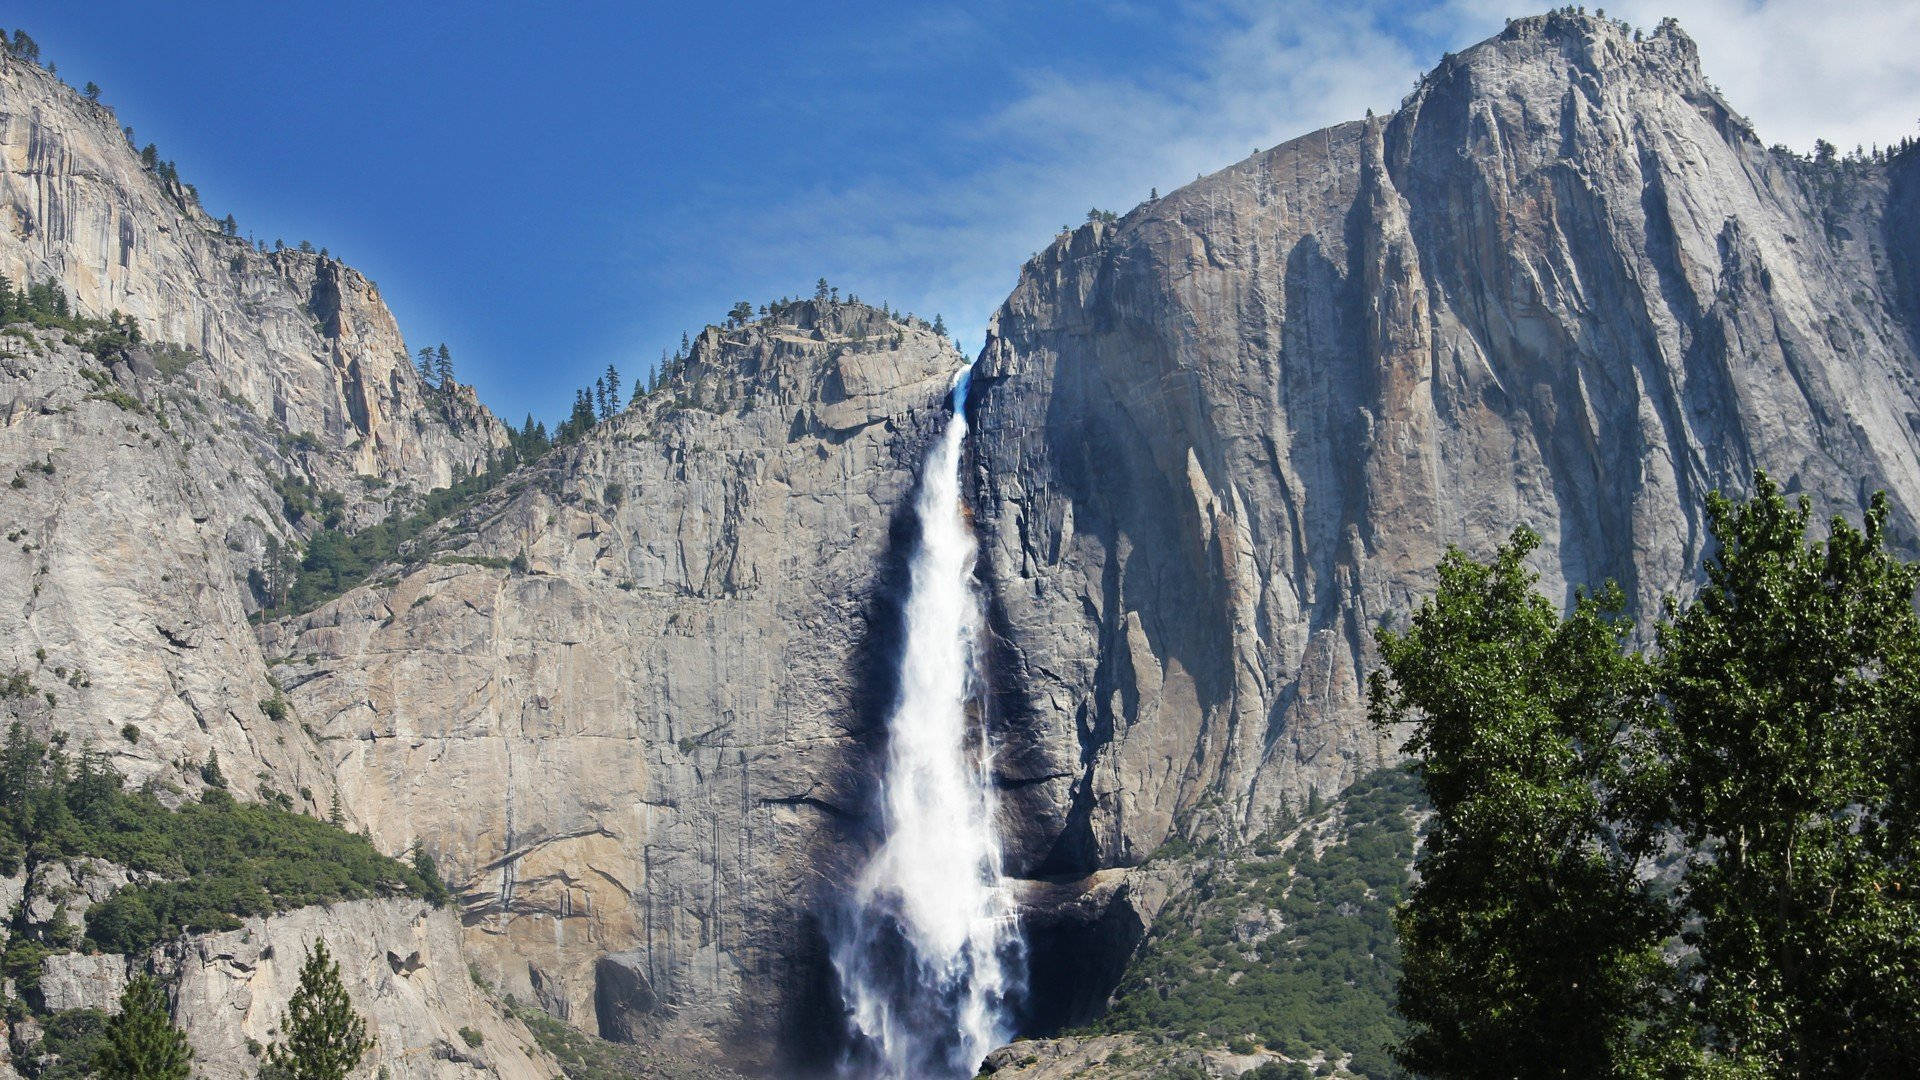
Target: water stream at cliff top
930	958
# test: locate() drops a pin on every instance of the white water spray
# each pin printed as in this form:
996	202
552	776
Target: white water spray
930	955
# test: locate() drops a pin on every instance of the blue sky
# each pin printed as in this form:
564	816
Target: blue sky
552	189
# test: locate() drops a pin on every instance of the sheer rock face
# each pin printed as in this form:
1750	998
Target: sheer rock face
402	965
141	488
651	742
1219	442
305	337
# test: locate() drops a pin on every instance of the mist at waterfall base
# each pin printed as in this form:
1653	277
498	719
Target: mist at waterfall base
928	955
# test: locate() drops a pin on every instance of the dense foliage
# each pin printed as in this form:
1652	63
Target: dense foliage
69	1042
1290	947
217	859
1530	942
1771	742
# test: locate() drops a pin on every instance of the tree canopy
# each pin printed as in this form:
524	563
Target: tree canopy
1696	862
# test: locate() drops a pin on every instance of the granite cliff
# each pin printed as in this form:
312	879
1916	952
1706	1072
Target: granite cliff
628	699
1219	441
628	703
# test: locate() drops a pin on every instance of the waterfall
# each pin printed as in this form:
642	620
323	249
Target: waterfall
929	955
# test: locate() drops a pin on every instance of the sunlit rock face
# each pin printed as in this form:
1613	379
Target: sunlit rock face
1218	442
142	493
304	337
655	739
631	701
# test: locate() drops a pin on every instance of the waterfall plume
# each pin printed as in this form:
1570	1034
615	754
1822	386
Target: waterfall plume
929	956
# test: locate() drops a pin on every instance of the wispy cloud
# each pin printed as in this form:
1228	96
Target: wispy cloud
1233	75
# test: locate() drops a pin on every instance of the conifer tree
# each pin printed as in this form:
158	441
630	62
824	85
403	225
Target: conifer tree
322	1036
25	47
613	392
141	1041
443	368
425	363
93	91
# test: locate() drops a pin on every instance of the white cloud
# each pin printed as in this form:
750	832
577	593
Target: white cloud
1240	74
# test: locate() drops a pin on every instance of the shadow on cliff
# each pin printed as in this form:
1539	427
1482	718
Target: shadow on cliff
815	1036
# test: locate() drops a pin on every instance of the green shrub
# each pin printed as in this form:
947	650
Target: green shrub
219	860
1326	978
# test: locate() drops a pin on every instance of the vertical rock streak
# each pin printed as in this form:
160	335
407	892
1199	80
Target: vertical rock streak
930	957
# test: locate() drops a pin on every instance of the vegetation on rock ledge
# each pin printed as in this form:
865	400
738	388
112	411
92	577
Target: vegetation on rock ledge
209	863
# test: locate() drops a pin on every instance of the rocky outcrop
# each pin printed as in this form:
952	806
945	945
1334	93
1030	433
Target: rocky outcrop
403	966
1222	440
133	508
400	961
304	338
625	705
153	494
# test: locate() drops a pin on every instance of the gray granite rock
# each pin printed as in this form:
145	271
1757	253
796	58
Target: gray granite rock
653	741
1222	440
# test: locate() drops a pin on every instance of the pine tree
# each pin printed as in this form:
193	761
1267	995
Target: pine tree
939	325
613	392
25	47
425	363
322	1036
141	1042
820	291
93	91
443	368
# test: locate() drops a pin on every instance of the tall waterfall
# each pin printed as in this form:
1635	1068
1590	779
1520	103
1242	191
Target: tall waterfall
930	955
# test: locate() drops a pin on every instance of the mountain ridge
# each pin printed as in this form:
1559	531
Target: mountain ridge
627	698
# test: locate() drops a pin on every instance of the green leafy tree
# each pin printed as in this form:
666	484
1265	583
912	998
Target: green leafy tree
141	1041
1792	743
1773	738
322	1036
1530	948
